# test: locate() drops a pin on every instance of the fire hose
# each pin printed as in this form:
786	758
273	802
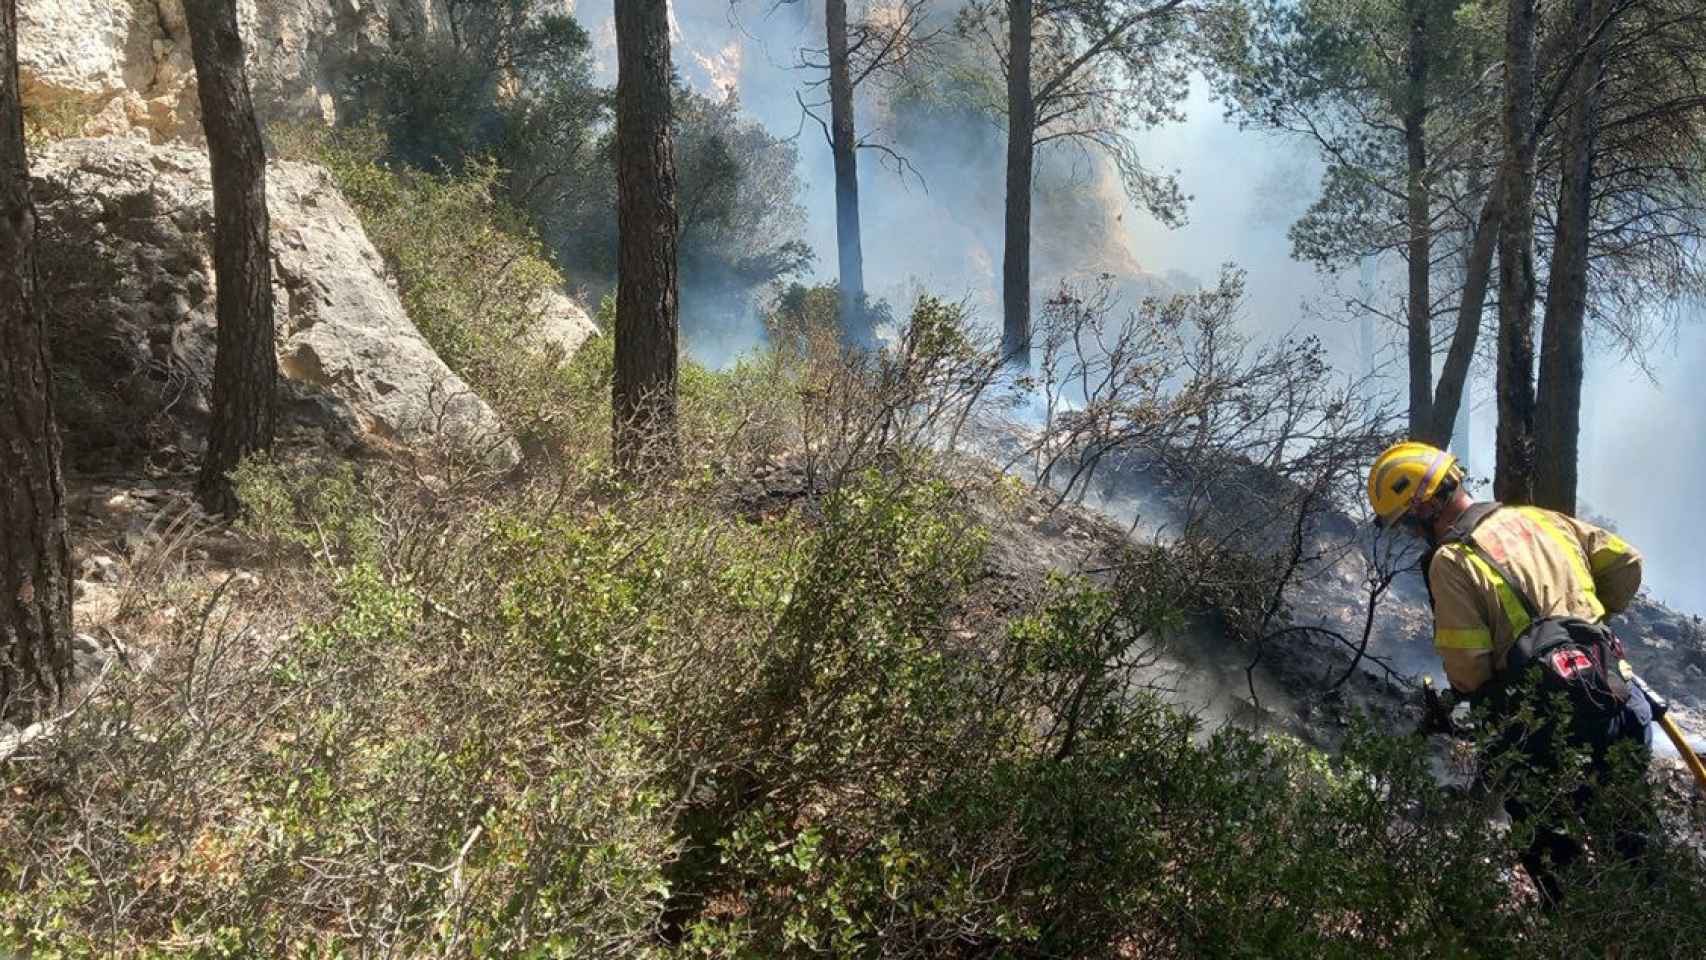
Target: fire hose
1661	713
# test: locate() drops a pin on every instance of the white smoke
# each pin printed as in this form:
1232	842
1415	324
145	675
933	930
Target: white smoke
1641	466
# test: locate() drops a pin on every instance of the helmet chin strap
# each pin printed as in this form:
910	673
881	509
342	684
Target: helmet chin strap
1442	503
1420	497
1427	523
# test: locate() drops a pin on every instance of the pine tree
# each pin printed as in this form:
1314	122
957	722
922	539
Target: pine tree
643	390
35	579
245	368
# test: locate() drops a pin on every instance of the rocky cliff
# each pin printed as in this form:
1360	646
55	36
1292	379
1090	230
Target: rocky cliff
126	263
123	68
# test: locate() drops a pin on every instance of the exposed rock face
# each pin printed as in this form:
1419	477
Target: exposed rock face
84	54
122	67
125	230
563	325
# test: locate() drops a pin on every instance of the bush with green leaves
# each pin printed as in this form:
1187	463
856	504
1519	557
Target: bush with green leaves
382	775
292	511
746	413
586	724
510	82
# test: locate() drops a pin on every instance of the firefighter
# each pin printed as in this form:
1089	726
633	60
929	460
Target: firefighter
1519	597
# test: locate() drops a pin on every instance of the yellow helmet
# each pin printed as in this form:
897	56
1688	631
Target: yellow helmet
1406	475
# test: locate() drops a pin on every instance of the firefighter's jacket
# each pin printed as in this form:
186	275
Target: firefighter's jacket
1569	569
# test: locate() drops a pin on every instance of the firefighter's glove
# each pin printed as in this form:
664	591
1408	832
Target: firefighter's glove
1436	710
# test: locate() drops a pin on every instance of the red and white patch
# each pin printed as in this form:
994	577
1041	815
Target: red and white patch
1568	663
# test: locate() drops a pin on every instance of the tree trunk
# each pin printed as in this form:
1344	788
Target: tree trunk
245	367
643	390
854	321
1420	216
1557	422
1021	152
1454	374
1513	472
35	578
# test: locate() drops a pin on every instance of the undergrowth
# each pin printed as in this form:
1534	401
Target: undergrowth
55	120
580	717
573	721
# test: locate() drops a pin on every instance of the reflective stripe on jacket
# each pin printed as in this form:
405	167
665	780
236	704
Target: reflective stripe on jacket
1568	568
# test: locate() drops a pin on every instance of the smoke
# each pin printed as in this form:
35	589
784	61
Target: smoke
931	219
938	226
1642	464
1640	467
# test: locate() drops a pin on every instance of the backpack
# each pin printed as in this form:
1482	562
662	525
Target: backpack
1580	659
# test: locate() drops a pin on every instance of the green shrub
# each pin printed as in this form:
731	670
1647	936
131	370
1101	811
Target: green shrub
592	726
385	777
317	513
511	81
748	411
47	123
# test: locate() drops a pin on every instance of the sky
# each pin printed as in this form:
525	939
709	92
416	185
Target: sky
1641	459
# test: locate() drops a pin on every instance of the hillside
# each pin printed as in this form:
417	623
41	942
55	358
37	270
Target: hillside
908	655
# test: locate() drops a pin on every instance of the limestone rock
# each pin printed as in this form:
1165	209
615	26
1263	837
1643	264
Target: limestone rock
83	50
105	68
124	68
94	657
102	568
563	324
125	233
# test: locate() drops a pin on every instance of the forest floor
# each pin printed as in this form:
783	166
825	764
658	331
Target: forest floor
134	535
147	557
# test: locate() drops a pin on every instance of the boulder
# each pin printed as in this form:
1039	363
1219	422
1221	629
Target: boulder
563	325
125	261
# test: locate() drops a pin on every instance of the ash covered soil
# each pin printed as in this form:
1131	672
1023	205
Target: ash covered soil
1323	659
